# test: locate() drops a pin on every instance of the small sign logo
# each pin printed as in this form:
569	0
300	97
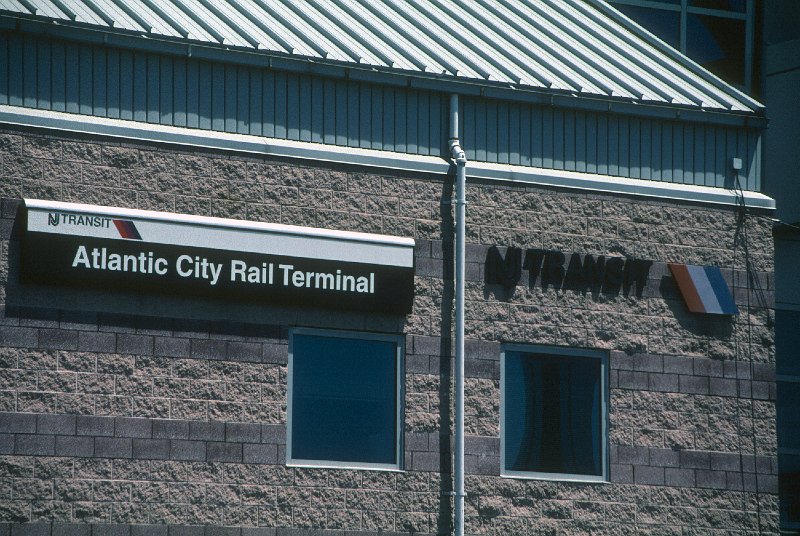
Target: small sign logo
127	229
52	218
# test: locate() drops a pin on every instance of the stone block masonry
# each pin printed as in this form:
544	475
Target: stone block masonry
130	418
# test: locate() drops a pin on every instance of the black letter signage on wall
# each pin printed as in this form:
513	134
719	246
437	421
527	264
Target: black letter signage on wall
610	275
113	248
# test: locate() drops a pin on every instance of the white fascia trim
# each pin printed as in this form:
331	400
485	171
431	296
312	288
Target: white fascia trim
135	131
213	222
617	185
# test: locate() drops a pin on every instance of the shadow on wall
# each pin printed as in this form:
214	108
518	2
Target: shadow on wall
445	519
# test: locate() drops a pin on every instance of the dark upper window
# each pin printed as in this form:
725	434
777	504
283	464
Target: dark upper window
717	34
724	5
787	355
666	24
554	413
718	44
344	399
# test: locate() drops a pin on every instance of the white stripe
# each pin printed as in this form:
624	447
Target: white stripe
703	286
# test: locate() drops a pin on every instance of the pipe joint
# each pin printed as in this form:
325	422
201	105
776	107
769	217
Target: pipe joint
457	153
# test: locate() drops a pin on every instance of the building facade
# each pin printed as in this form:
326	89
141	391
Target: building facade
602	394
756	42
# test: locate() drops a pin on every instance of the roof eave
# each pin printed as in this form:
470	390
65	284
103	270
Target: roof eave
385	76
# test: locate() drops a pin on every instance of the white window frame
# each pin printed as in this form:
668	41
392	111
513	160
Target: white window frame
604	396
399	341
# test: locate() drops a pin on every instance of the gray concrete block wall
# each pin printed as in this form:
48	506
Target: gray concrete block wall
123	422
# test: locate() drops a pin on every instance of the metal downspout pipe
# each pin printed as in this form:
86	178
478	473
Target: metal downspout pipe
460	159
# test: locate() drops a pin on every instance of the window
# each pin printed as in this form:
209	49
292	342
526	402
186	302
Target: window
718	44
666	24
787	342
720	35
344	395
553	413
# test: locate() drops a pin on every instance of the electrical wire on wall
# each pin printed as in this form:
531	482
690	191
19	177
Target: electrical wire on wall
752	286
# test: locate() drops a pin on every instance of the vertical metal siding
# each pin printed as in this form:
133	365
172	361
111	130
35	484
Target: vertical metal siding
14	67
112	83
4	72
99	73
317	109
58	67
645	149
179	101
43	88
635	137
30	72
608	144
95	80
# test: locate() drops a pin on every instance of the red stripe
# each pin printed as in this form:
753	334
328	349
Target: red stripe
687	288
126	229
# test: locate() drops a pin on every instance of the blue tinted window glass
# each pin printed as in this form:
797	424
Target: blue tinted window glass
660	22
787	342
344	399
788	409
789	489
717	44
726	5
553	414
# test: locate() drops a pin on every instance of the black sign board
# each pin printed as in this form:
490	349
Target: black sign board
118	249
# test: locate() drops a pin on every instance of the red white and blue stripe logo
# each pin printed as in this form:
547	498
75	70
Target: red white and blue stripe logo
127	229
704	289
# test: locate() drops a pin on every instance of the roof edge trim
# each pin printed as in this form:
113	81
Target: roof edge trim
145	132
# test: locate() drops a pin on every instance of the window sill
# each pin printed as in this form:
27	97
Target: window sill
314	464
555	477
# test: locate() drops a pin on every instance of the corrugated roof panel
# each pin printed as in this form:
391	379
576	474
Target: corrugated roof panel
178	20
111	11
404	53
286	28
221	29
439	42
512	61
467	43
490	62
444	62
150	18
571	36
389	58
348	36
637	58
560	75
563	60
673	73
551	37
12	5
568	46
83	12
46	9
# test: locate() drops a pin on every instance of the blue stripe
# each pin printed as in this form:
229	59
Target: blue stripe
721	290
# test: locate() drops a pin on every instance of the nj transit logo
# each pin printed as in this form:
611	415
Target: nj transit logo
126	228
